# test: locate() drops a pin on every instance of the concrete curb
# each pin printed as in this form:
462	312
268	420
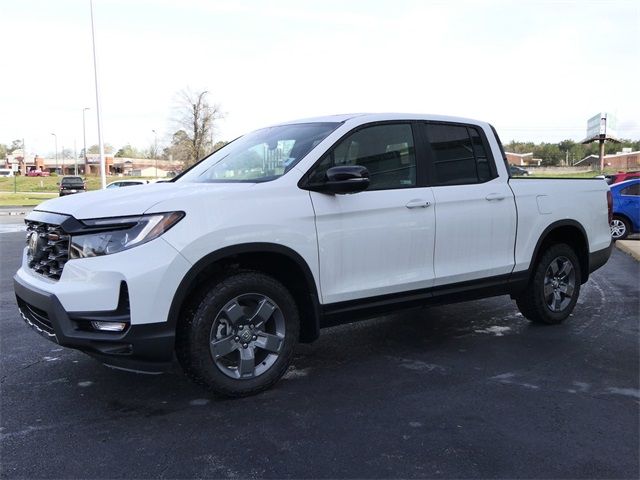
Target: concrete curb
16	210
630	247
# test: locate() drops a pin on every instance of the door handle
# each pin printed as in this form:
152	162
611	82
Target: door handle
417	203
495	196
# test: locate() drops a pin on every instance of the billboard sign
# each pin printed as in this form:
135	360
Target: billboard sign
602	124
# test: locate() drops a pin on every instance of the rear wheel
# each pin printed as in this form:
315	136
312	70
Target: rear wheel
238	335
619	228
554	287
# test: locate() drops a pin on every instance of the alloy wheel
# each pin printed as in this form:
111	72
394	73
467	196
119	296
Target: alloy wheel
618	228
247	336
559	284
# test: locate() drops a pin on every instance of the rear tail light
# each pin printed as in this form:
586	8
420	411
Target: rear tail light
610	205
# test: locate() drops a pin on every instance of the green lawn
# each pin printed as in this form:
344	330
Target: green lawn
26	199
50	184
33	190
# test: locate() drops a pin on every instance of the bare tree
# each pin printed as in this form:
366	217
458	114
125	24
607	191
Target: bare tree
197	118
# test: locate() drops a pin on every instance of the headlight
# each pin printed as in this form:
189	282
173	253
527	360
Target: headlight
112	235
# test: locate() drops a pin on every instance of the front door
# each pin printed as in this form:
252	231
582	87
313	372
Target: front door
379	241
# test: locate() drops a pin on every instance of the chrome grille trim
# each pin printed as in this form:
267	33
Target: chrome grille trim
42	331
48	253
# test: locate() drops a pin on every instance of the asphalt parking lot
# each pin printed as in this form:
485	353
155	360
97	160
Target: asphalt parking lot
466	390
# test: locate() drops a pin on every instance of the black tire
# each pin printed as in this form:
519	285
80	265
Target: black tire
535	303
207	321
620	227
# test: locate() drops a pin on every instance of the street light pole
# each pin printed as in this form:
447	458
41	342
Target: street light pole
84	139
103	178
56	139
155	148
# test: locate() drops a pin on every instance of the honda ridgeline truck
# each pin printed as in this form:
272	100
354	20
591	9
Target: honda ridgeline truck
299	226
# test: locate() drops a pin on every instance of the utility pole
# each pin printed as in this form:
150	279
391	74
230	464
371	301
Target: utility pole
84	139
24	161
56	138
155	149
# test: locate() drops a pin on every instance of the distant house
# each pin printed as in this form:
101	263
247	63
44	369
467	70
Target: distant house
521	158
592	161
625	160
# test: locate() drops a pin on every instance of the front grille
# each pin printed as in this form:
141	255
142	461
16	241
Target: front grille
47	248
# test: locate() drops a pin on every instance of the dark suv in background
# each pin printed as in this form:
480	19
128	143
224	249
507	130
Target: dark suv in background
70	185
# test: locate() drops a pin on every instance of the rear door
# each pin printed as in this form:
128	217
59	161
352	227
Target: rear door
475	210
379	241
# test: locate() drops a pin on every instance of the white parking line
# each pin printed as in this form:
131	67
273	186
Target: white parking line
12	228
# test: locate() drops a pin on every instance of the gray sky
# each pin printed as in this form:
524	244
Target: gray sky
537	70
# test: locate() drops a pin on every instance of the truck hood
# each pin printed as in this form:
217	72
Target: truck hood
120	202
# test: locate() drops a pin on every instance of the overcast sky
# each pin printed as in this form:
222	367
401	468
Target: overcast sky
536	70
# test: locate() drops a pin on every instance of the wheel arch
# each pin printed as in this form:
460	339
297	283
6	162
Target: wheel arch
564	231
281	262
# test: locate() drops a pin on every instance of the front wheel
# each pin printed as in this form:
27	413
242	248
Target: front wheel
552	292
237	337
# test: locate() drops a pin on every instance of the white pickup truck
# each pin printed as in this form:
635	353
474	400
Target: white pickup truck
299	226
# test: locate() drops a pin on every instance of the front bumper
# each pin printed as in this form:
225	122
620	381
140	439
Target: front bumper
146	347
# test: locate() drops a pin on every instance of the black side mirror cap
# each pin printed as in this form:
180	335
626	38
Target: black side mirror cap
343	180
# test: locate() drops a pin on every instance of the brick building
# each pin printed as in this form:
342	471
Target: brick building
625	161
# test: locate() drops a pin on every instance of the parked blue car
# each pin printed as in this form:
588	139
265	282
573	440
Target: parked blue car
626	209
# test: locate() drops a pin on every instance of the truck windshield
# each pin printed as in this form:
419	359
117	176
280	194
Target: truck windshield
260	156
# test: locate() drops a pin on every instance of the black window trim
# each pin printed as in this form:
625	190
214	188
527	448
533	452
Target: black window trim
502	152
418	146
430	161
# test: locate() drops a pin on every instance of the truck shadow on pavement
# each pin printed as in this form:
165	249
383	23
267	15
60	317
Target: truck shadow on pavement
356	357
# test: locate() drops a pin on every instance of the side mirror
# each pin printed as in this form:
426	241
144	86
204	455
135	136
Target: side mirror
343	180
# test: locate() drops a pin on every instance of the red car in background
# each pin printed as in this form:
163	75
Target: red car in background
37	173
621	177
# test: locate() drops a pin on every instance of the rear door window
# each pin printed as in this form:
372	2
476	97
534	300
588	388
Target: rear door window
459	155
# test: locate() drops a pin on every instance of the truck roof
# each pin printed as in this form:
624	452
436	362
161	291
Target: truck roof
376	117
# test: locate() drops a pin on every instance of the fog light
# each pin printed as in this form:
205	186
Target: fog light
109	326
